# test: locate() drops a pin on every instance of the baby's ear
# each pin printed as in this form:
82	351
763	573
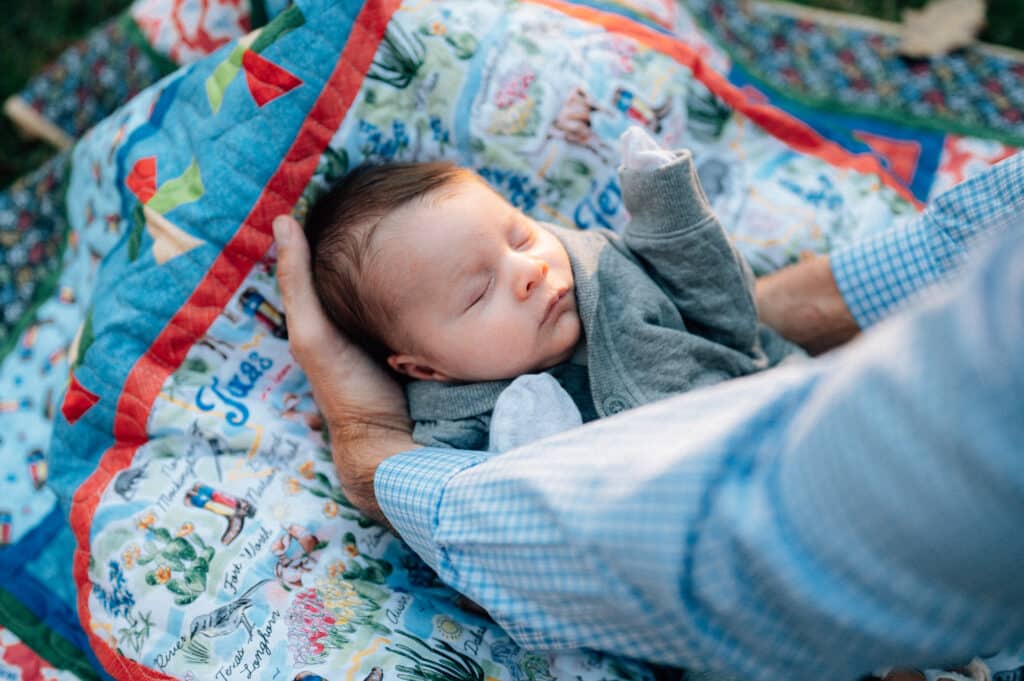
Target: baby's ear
412	366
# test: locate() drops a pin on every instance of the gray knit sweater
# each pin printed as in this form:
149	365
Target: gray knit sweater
666	307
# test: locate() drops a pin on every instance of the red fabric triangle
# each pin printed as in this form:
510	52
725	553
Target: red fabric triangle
902	155
77	401
266	80
21	657
142	180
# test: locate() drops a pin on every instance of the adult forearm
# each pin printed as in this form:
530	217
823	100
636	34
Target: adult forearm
359	444
803	303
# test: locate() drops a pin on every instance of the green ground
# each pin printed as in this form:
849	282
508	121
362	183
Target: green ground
1005	17
36	31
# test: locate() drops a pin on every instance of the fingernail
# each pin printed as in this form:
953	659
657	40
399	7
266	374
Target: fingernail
282	230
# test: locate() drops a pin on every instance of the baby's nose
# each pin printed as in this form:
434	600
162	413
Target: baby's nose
533	274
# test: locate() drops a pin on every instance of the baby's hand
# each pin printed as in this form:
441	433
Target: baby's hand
532	407
641	152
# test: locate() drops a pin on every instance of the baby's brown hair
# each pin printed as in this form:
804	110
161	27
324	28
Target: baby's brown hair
339	228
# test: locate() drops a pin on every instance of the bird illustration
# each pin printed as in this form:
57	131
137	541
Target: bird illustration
227	618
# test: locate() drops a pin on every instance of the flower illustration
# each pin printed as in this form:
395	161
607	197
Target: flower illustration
306	470
339	598
186	529
145	522
330	509
437	28
130	555
163	574
336	569
293	486
307	625
352	550
447	627
323	616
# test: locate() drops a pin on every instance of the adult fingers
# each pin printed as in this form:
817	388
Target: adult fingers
304	316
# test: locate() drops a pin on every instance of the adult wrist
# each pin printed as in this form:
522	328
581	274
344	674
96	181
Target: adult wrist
804	304
359	445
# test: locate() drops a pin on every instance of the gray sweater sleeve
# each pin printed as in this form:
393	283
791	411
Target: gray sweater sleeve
677	236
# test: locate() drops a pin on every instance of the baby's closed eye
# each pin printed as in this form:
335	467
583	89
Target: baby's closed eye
523	237
480	292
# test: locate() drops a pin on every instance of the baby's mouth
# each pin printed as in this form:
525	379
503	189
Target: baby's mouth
553	305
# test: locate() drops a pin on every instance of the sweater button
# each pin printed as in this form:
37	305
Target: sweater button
613	405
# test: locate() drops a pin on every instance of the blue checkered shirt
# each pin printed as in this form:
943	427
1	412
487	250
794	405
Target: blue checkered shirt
814	522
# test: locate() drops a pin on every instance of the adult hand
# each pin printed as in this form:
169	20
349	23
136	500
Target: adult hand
803	303
363	406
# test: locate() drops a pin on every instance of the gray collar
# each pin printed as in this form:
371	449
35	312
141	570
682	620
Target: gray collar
436	401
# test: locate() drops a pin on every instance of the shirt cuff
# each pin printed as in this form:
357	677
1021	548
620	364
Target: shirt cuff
875	275
409	487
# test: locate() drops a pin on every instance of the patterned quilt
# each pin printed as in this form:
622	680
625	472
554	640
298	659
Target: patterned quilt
208	536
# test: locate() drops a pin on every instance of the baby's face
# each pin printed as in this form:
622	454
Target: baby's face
479	290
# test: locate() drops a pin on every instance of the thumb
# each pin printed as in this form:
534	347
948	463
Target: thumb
296	282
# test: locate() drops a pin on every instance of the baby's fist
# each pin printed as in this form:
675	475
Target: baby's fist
641	152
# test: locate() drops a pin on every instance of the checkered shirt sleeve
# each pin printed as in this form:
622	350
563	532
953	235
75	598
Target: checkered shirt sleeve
877	275
413	484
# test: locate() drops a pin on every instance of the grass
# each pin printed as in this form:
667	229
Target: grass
1005	17
36	31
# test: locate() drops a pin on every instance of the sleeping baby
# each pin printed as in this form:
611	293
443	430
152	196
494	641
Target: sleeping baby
509	329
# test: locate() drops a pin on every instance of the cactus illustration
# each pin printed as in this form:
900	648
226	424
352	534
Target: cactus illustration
399	57
706	114
374	570
181	562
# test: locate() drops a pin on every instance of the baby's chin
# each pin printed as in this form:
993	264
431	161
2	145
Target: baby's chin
567	336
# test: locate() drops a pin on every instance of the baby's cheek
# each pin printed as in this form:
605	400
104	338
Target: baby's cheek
516	344
571	328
